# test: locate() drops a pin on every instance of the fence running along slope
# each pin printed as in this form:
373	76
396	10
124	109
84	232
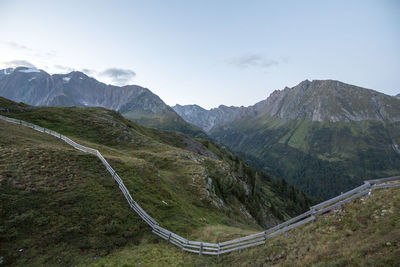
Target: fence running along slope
235	244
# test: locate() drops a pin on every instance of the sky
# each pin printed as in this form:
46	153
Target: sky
208	52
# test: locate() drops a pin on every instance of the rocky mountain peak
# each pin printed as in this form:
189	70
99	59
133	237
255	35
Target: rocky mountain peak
305	84
329	100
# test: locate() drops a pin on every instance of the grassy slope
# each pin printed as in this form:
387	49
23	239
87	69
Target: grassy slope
364	233
57	203
83	213
311	155
166	121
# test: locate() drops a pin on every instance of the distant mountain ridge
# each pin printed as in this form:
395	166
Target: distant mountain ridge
207	119
318	100
38	88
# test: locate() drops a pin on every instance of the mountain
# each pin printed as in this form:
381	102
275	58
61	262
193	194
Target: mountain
330	101
59	206
398	96
38	88
207	119
318	133
319	100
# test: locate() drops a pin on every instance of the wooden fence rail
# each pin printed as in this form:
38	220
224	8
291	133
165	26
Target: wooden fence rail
231	245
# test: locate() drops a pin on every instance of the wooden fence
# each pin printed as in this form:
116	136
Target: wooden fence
235	244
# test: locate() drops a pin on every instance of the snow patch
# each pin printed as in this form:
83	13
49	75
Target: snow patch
30	70
31	79
8	71
80	78
66	79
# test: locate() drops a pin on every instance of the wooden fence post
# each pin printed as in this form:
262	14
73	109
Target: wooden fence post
169	238
201	248
369	189
312	214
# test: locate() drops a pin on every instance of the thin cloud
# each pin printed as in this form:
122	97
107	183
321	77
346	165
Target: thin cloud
119	76
89	71
28	50
17	46
253	60
19	63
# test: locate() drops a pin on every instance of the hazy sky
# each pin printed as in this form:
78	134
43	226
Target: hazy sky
208	52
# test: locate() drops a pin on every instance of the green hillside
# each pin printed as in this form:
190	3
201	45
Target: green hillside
321	158
167	120
365	232
60	206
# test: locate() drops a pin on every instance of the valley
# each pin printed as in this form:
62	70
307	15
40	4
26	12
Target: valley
315	134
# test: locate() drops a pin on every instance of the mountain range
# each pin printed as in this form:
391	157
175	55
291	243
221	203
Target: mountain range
317	133
323	136
319	100
38	88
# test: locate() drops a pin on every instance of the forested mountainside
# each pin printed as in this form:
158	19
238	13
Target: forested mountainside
322	136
